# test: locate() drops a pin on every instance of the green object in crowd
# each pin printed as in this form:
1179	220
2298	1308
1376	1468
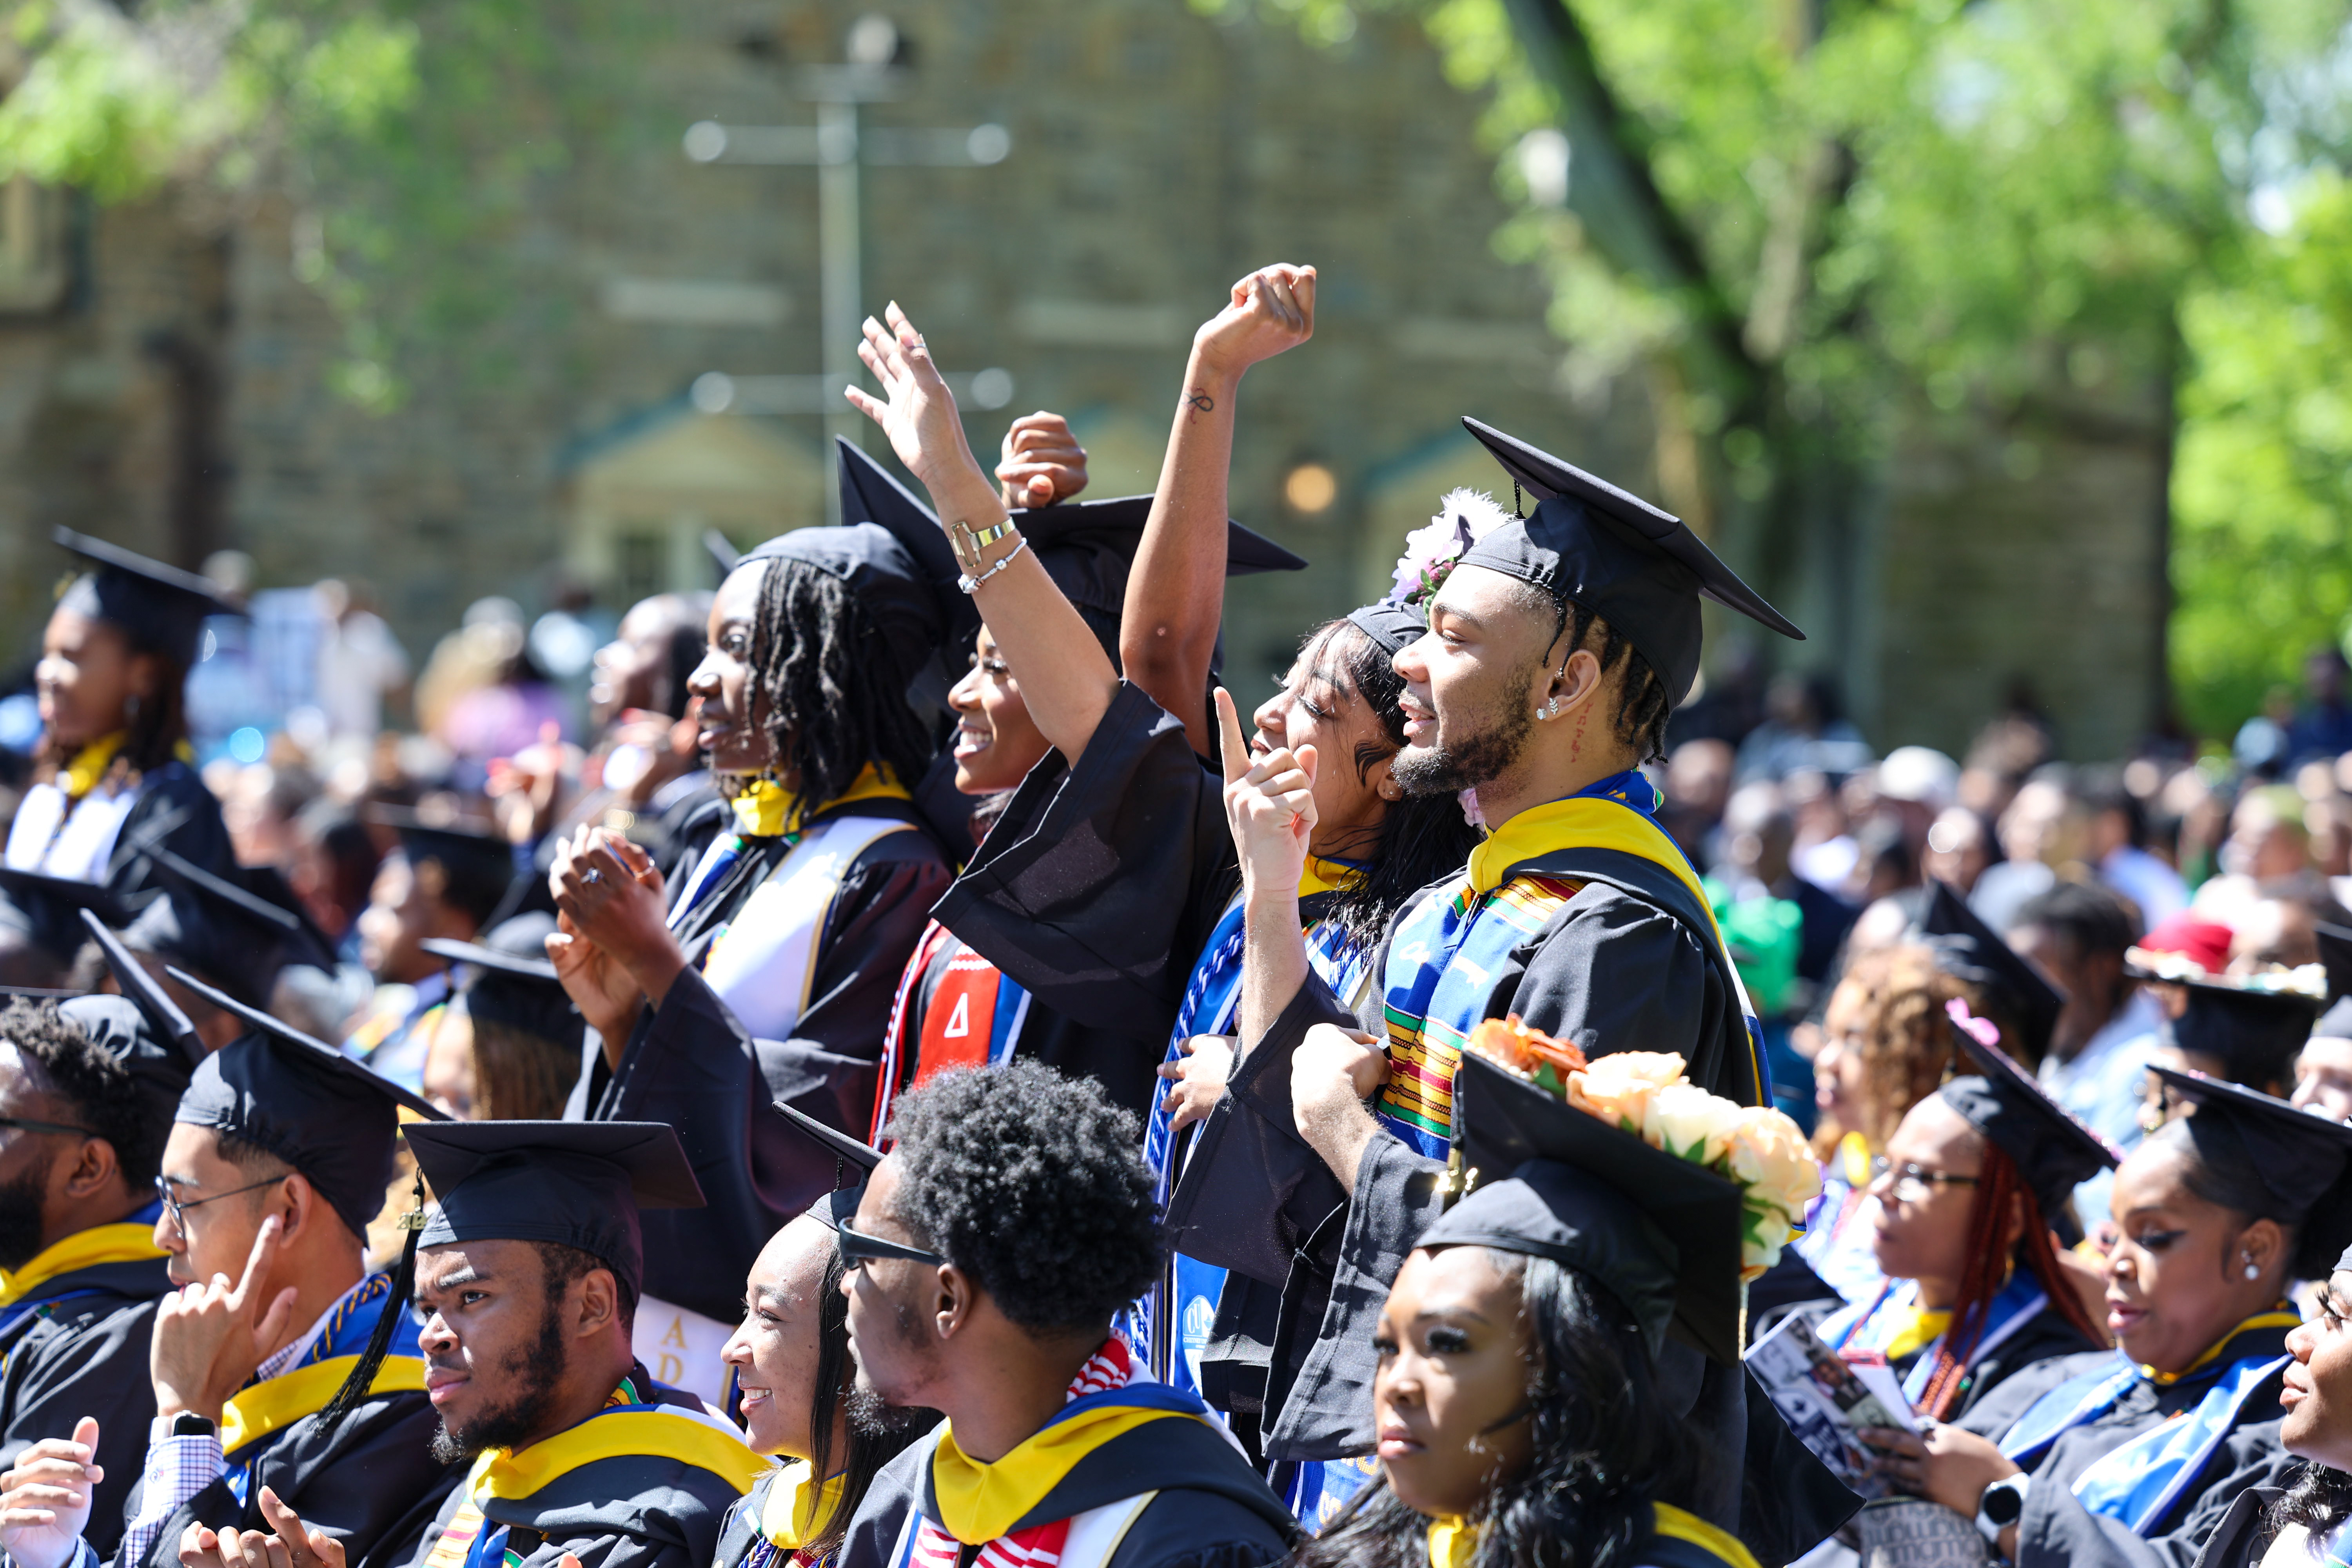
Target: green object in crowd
1764	934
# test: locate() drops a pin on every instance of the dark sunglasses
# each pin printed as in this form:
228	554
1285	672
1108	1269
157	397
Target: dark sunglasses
857	1248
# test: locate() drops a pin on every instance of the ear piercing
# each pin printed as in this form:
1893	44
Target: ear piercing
2252	1272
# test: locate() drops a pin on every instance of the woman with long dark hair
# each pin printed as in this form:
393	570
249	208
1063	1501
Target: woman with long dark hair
2137	1457
115	780
1971	1288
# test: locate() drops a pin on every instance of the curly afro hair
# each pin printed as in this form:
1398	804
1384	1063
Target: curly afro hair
97	1090
1034	1184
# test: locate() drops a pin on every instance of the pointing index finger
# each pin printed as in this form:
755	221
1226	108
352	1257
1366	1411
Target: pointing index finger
257	1266
1232	752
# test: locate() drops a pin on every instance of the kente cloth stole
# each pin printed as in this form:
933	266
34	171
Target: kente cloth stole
1170	1325
2092	1395
626	1427
259	1411
1443	956
978	1505
974	1019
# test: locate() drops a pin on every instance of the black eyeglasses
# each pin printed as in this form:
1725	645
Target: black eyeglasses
857	1248
1915	1183
22	1125
179	1211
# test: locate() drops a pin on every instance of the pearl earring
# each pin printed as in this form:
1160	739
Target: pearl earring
2252	1272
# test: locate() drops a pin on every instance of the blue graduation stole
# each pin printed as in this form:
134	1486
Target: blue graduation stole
1170	1325
2140	1482
1315	1490
1881	1323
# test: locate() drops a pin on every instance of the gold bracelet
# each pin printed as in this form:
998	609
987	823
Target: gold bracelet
967	544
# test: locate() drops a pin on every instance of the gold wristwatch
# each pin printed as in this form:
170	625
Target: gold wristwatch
968	543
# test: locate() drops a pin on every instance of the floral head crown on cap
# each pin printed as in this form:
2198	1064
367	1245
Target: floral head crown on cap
1646	1094
1464	517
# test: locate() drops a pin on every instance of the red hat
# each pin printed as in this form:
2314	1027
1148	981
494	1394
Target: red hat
2205	942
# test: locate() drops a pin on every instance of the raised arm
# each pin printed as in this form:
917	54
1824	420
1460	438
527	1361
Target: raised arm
1063	671
1176	589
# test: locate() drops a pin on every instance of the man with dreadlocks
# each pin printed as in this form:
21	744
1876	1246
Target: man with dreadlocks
1557	645
281	1363
767	971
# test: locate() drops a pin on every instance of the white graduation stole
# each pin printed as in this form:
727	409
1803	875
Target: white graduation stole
762	963
46	839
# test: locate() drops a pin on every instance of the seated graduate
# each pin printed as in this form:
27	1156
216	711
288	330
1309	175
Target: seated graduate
282	1365
519	1053
2135	1456
797	1389
1972	1290
1885	1045
2008	992
987	1258
1519	1398
1107	890
2230	1031
445	880
86	1087
768	969
1558	645
234	938
2323	1069
2303	1523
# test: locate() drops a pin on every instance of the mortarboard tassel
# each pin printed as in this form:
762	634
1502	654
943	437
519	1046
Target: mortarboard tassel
403	1282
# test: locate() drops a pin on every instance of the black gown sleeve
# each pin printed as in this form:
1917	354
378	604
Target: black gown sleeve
85	1364
1099	885
372	1483
691	1064
2057	1531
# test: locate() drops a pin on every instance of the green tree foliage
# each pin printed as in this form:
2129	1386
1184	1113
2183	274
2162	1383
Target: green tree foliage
1872	208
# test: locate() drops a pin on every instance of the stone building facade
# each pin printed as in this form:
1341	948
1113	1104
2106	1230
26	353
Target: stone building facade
168	390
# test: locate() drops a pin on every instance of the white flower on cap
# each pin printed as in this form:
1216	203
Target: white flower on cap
1464	517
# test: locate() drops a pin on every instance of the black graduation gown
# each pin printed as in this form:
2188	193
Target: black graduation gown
2057	1531
1098	886
691	1064
371	1483
628	1510
175	811
1212	1510
2048	1337
85	1354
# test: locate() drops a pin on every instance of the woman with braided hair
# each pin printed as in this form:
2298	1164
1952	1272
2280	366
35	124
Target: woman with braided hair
1966	1196
767	969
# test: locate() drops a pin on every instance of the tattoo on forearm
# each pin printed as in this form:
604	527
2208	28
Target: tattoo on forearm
1201	400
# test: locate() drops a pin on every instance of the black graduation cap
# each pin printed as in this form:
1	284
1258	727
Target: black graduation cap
577	1183
2255	1035
227	934
477	865
158	1067
509	979
159	608
107	905
2054	1153
1636	567
1085	546
855	1154
306	1102
2335	957
1967	949
1393	626
2305	1160
1660	1233
162	1016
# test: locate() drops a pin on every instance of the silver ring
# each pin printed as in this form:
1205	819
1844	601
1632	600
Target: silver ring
595	874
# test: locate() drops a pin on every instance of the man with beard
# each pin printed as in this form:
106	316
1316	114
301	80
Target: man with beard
281	1368
529	1272
1558	645
86	1091
985	1261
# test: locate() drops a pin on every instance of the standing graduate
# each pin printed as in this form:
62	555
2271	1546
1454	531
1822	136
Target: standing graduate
1557	647
1971	1288
768	971
87	1090
282	1365
1519	1398
1108	887
2133	1457
986	1261
954	1008
115	775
